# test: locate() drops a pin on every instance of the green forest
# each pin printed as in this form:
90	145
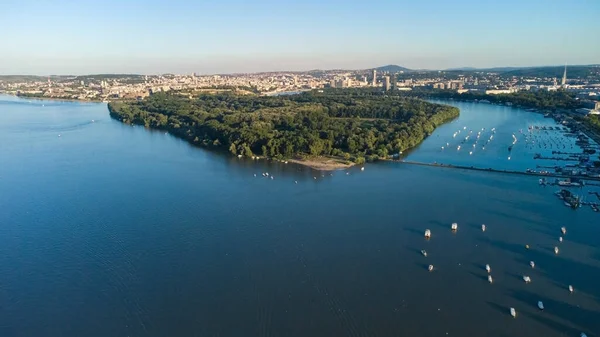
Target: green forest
547	100
356	125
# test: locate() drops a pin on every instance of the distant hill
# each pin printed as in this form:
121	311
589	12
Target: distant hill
555	71
392	68
575	71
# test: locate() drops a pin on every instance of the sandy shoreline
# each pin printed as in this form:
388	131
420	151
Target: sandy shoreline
323	163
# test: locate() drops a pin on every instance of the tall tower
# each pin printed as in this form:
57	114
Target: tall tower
374	77
386	83
564	79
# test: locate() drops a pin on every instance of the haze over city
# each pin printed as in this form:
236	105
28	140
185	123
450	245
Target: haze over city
181	36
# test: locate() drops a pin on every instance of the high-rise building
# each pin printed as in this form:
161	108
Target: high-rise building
564	79
386	83
374	77
394	82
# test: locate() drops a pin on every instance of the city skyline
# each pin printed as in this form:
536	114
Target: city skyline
154	37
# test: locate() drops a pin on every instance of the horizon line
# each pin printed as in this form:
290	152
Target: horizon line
465	68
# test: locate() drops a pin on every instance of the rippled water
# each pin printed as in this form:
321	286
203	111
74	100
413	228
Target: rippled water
113	230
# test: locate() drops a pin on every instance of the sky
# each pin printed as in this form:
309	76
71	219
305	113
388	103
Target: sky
46	37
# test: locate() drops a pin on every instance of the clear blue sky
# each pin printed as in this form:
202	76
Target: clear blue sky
222	36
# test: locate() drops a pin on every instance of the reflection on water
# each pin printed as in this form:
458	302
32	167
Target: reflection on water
111	230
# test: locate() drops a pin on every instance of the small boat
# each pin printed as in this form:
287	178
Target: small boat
560	239
454	226
526	246
488	269
362	168
563	230
295	181
239	156
255	174
555	250
583	335
430	268
540	305
513	312
470	153
271	177
490	280
527	279
570	288
457	149
424	252
483	228
427	233
509	158
532	264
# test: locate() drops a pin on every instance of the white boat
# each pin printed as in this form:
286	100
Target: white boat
470	153
430	268
560	239
255	174
424	252
555	250
295	181
239	156
454	226
488	269
570	288
483	228
490	279
540	305
563	230
442	147
508	157
583	335
427	233
527	279
362	168
513	312
532	264
457	149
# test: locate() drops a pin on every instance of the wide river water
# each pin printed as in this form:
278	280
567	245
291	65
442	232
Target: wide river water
113	230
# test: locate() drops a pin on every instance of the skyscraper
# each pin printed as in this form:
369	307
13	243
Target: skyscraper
386	83
374	77
394	81
564	79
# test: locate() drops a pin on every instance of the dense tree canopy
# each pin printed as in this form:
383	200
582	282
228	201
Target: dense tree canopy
353	124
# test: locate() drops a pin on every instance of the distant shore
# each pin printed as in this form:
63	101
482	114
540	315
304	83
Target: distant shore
44	98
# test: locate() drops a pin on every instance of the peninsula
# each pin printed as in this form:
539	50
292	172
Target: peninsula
325	129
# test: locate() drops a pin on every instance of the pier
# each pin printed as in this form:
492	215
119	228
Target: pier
524	173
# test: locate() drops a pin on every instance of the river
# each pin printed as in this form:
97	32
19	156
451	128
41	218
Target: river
113	230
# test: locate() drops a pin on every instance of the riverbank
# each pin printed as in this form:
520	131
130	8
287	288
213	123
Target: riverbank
323	163
56	99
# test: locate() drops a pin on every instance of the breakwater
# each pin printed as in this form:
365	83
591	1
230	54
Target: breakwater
473	168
